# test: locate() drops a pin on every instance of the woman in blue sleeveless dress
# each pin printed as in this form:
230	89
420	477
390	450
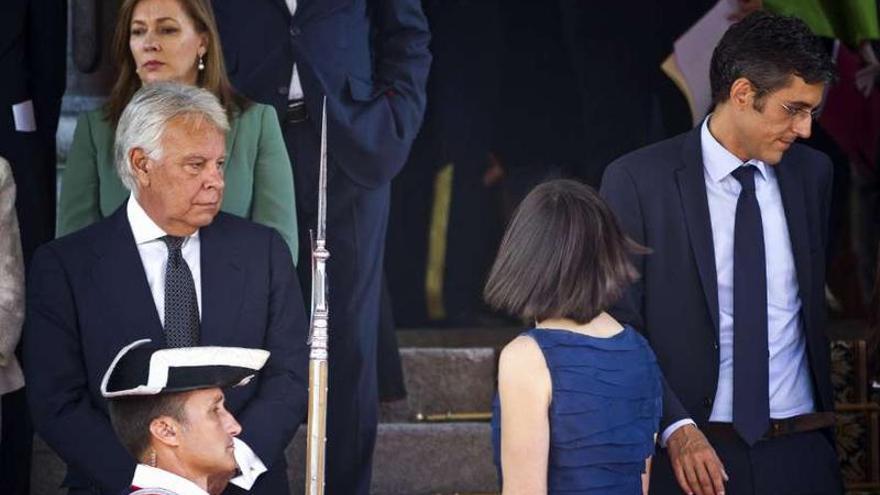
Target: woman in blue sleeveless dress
579	395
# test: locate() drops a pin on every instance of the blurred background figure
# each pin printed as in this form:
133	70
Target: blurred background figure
33	60
177	40
11	320
443	224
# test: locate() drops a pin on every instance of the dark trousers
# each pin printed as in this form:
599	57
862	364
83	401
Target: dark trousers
356	223
16	444
32	159
797	464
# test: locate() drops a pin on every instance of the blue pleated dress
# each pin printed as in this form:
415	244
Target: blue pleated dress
604	412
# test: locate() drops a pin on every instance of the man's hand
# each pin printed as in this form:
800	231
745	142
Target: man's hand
217	483
868	74
696	466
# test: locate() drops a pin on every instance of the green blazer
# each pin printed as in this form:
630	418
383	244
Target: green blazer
259	180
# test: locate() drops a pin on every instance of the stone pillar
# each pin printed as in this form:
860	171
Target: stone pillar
89	69
90	72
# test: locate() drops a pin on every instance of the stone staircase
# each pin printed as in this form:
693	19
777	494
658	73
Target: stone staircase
447	373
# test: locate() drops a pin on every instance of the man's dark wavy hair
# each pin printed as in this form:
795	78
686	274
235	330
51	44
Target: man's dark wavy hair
767	50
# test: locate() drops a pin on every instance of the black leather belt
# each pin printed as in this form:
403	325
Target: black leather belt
296	112
781	427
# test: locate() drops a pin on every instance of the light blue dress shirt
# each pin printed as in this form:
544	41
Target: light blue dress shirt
791	390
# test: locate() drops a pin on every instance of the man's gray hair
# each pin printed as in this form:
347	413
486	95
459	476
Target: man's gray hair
147	115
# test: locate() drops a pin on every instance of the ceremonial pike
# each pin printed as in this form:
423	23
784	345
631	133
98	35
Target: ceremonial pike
316	439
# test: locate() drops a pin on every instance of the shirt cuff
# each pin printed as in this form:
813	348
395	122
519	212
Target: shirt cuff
249	464
671	429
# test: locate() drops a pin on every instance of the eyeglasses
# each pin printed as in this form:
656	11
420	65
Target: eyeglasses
799	113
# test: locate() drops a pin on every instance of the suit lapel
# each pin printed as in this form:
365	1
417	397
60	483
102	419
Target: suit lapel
222	284
695	204
791	188
119	274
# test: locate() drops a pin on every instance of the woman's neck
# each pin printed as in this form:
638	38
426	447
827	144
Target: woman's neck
603	325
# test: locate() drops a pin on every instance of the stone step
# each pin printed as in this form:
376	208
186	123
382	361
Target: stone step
451	338
416	459
444	380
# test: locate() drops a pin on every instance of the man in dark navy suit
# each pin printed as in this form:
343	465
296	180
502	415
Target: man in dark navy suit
167	266
33	56
370	59
732	297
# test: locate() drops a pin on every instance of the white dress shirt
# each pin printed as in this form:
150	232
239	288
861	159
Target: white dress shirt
790	388
295	92
149	477
154	257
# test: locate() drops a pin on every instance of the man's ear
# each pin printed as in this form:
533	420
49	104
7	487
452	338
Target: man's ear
140	166
166	430
742	94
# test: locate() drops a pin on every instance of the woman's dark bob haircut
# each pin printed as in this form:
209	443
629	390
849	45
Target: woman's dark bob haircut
563	256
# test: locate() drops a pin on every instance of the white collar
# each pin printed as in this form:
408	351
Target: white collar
150	477
718	161
143	227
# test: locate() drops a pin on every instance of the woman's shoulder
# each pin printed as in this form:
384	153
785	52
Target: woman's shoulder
522	368
523	349
255	112
254	120
93	132
96	123
522	356
638	338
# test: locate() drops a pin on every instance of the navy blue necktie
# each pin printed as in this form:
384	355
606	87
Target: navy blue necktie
181	305
751	402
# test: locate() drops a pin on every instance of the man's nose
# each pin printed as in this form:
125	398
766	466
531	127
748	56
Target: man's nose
232	425
803	127
214	178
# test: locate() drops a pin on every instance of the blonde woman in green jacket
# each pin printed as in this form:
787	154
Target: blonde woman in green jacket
177	40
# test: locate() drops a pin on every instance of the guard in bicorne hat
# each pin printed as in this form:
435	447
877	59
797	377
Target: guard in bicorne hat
166	406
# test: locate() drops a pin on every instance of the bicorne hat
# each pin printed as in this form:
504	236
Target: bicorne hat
141	368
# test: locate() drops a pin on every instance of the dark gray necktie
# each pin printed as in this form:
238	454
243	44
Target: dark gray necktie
181	305
751	403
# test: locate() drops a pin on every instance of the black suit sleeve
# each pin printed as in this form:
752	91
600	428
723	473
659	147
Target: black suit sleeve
271	418
619	191
827	182
56	380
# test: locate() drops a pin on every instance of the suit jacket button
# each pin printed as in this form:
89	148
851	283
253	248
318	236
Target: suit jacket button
707	401
295	31
283	90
